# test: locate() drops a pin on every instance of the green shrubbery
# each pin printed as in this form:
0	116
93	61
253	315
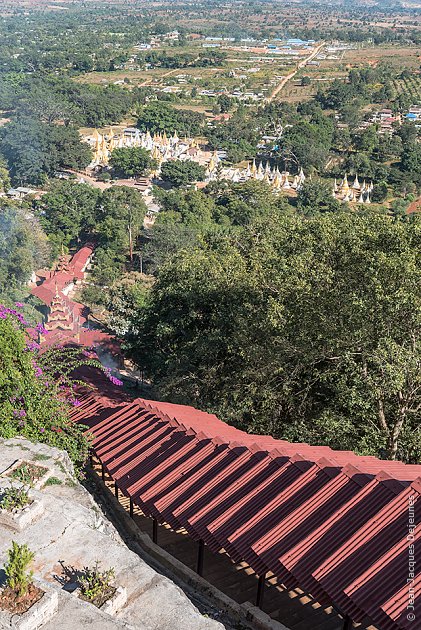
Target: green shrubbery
18	578
14	499
95	584
37	389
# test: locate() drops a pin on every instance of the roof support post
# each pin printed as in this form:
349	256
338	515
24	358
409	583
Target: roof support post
347	623
155	531
116	490
103	472
260	591
200	557
91	460
131	507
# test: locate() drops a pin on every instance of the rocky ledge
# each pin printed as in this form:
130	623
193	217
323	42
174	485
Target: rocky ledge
70	533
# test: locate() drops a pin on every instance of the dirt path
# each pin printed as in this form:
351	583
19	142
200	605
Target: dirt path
289	76
90	180
150	80
415	206
167	74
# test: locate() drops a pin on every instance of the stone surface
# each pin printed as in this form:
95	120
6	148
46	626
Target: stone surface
73	533
20	519
37	484
37	616
156	616
77	615
112	605
116	602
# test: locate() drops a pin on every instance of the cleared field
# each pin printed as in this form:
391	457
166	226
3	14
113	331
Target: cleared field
294	92
398	57
201	109
137	76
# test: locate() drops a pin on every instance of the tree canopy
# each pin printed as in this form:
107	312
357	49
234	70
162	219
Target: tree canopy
33	149
71	212
23	246
158	116
68	213
316	196
303	328
179	173
131	161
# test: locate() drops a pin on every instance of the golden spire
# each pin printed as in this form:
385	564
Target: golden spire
344	185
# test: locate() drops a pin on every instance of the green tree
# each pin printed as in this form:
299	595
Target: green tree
18	578
307	329
33	149
164	241
68	212
224	103
121	218
23	246
316	196
179	173
129	294
158	116
368	140
241	204
309	142
411	162
5	182
380	192
238	137
132	161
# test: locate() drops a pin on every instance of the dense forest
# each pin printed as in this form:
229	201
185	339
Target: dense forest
303	323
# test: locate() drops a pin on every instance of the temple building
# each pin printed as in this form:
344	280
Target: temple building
161	146
354	192
279	181
60	317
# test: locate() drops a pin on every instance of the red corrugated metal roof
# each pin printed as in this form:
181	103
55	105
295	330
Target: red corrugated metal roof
330	521
401	604
72	313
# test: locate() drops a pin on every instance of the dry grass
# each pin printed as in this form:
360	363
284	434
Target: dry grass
398	57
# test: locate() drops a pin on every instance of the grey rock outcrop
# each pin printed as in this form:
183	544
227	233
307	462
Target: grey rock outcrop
73	533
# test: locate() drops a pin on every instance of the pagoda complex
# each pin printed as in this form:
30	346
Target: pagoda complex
279	181
161	146
355	192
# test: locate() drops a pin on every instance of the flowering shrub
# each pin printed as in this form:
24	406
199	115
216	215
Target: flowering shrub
37	389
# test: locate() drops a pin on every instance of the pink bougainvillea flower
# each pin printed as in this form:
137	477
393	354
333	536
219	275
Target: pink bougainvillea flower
40	328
